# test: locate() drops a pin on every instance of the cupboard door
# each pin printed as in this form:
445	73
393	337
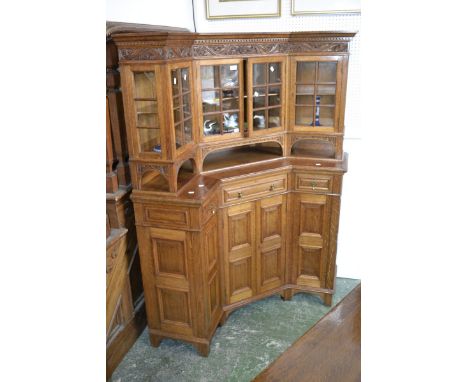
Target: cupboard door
239	249
310	239
144	110
316	100
266	83
170	255
181	104
221	110
270	231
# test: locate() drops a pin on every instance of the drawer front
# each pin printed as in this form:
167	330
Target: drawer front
165	216
254	188
314	183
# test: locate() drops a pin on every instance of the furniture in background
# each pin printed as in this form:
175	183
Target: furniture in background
236	162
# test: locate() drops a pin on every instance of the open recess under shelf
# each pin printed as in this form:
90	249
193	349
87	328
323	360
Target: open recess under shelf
239	156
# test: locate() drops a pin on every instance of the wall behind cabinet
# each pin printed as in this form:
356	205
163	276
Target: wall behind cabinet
179	13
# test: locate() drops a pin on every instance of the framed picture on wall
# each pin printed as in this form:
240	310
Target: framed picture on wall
228	9
301	7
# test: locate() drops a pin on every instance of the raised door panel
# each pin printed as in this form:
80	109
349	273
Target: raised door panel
310	239
270	228
170	249
239	249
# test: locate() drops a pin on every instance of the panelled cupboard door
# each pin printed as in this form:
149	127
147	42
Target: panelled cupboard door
170	255
310	239
317	94
270	232
266	93
239	250
143	86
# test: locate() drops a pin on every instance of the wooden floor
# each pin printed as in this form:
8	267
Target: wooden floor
329	352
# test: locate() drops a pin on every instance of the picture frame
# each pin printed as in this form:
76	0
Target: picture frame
230	9
304	7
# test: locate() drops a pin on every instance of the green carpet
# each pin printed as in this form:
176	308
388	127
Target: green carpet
252	338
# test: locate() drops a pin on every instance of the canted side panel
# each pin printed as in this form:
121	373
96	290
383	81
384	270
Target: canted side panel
214	295
239	249
210	247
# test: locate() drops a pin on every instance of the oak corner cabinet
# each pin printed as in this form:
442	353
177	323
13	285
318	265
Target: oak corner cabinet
236	161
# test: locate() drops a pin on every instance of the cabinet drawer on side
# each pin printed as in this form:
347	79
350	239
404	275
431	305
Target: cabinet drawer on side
314	183
166	216
255	188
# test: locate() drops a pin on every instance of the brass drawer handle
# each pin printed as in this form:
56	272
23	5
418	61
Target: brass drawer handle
213	211
239	195
272	187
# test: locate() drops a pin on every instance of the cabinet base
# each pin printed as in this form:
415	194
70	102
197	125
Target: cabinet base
201	345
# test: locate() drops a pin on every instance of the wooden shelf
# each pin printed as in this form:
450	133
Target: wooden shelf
239	156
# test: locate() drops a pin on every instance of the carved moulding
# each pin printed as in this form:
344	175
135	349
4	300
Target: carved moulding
226	48
213	50
154	53
205	150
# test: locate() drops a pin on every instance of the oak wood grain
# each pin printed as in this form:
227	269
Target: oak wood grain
329	352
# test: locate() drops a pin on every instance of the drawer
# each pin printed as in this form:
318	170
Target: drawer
254	188
314	182
165	216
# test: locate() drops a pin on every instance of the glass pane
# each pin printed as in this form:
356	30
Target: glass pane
230	123
150	140
184	74
304	100
326	90
179	135
187	107
210	101
259	71
175	81
327	72
231	102
305	89
209	77
229	76
324	116
188	130
306	72
144	85
274	117
304	115
175	101
259	97
146	114
212	124
274	72
259	119
274	96
177	116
